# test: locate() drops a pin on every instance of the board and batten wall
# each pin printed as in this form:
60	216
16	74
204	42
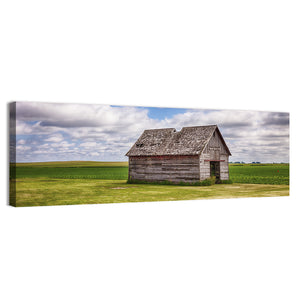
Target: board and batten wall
214	150
173	168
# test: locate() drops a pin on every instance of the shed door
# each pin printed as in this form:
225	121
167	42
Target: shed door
215	169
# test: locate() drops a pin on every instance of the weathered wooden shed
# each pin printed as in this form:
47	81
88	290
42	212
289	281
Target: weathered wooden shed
189	155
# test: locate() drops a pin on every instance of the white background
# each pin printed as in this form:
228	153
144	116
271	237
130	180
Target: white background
199	54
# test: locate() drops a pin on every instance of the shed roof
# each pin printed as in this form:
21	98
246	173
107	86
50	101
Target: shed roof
168	141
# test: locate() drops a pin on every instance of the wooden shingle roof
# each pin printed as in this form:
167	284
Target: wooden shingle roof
168	141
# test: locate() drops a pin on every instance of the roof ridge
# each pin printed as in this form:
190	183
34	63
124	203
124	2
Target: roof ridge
160	129
198	126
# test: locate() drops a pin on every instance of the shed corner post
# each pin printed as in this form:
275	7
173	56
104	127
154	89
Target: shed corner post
128	178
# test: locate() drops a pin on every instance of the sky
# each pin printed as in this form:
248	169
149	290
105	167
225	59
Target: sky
65	132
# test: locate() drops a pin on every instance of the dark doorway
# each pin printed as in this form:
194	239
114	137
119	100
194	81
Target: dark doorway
215	169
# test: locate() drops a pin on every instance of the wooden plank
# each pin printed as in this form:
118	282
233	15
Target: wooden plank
214	160
177	163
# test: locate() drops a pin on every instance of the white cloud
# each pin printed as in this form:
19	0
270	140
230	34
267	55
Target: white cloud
55	138
69	131
94	154
21	142
22	148
63	144
23	128
88	145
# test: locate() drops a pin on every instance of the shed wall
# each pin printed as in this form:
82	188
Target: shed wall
224	169
215	143
214	151
183	168
204	166
205	159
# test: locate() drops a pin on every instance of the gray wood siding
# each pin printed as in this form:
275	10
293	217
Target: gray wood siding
160	168
204	166
214	150
224	170
215	145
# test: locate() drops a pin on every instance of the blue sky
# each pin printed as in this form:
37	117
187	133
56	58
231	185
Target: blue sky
161	113
60	132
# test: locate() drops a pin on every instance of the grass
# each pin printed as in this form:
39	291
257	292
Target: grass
45	191
64	183
75	164
206	182
260	173
73	170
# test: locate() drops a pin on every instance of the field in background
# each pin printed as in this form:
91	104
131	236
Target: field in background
62	183
73	170
260	173
75	164
239	173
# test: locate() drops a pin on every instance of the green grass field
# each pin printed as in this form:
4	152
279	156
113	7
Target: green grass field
260	173
63	183
73	170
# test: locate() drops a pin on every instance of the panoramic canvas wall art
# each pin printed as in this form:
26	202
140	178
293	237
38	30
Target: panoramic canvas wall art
62	154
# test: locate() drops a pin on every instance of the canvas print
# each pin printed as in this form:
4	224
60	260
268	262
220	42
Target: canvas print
62	154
